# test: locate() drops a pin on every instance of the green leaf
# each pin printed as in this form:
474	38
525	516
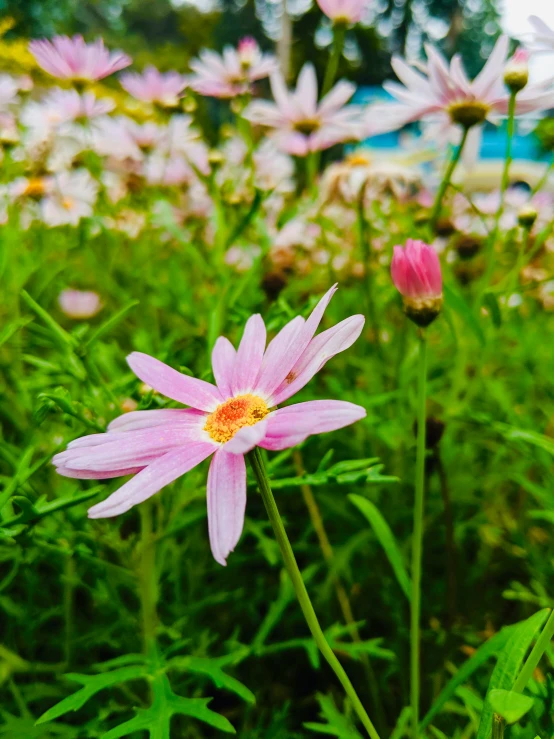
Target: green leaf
458	304
386	538
58	333
509	664
107	326
212	669
337	724
92	684
510	705
487	650
156	720
490	301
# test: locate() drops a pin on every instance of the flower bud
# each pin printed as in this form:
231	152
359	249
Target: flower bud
516	72
78	304
527	216
416	273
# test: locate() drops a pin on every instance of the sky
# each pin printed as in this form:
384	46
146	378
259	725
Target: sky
515	15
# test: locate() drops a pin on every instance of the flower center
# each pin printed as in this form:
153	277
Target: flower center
468	113
235	414
35	187
307	126
68	203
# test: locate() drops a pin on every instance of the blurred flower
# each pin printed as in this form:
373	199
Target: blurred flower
242	258
168	170
70	197
301	124
72	59
8	91
79	303
544	35
225	420
273	170
516	71
445	95
153	86
416	273
233	72
343	11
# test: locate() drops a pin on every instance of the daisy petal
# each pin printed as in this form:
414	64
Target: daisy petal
224	358
226	503
173	384
135	420
249	355
247	438
289	426
152	479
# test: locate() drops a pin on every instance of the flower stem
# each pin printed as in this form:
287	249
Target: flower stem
258	467
340	590
503	187
365	249
541	645
417	541
544	179
497	727
339	32
444	185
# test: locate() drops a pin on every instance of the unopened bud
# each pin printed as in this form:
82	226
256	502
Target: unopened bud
416	273
516	72
527	216
215	158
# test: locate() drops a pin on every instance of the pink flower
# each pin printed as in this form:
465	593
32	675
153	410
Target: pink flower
225	420
343	11
79	303
70	197
544	35
444	94
61	106
233	72
153	86
300	123
72	59
416	271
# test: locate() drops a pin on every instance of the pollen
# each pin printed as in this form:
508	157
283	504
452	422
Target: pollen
235	414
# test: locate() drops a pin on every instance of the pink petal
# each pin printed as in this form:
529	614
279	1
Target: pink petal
89	475
492	70
247	438
249	355
292	351
152	479
226	503
292	425
169	382
337	97
319	351
135	420
224	358
276	352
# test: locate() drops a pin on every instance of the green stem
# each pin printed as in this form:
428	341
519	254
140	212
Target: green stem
365	249
262	479
503	187
444	185
498	725
541	645
417	541
245	220
339	32
543	180
148	584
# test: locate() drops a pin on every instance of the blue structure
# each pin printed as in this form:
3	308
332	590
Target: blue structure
525	145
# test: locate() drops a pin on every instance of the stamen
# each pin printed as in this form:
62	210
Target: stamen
235	414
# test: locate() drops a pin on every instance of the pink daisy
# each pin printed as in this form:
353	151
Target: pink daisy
301	124
233	72
153	86
543	39
73	59
225	420
443	93
343	11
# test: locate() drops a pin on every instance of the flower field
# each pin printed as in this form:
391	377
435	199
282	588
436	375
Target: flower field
276	408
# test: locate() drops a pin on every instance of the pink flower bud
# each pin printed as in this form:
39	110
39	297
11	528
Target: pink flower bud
416	273
516	72
79	304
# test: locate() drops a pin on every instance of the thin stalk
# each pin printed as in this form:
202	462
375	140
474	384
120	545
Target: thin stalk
541	645
365	249
498	725
544	179
260	473
503	187
339	32
417	541
69	582
148	583
340	590
444	185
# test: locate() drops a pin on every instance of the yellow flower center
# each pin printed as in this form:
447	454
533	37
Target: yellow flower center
35	187
235	414
68	203
357	160
307	126
468	113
